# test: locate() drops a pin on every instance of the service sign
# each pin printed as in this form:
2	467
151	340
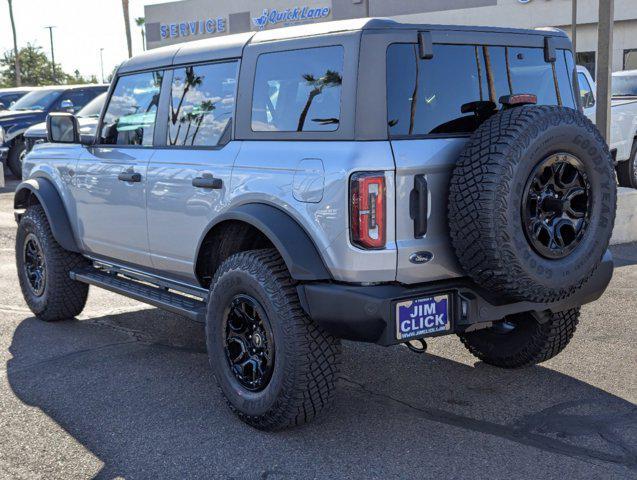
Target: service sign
204	26
422	316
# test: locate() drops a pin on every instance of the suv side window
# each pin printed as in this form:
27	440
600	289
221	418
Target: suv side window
78	98
585	91
132	109
202	104
298	90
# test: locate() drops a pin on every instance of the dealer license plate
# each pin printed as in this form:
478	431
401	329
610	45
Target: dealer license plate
422	316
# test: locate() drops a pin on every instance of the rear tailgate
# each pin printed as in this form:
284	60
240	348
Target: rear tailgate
431	100
433	160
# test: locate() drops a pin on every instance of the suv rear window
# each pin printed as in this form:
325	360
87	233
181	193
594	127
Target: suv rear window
298	90
426	96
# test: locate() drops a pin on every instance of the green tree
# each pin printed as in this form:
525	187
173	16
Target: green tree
141	21
35	69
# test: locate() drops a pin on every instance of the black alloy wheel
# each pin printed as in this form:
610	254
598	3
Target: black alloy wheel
249	343
556	205
34	264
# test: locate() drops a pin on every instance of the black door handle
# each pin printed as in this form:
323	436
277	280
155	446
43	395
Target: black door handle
207	181
133	177
418	206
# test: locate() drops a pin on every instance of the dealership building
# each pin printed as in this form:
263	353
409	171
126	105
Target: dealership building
187	20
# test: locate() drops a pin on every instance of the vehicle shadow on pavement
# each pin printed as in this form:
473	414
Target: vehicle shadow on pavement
136	390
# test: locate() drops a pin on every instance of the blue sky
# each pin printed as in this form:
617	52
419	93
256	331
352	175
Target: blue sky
82	28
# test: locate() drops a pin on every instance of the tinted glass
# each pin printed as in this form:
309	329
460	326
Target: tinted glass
298	90
130	115
625	85
425	96
586	92
37	100
587	59
8	99
531	74
500	75
202	104
429	96
93	108
564	79
78	98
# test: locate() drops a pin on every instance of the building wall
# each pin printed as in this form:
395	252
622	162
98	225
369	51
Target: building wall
238	16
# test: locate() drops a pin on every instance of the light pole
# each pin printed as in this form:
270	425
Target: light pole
604	66
52	52
102	63
574	29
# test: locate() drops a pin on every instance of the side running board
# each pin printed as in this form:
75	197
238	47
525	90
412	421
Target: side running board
158	296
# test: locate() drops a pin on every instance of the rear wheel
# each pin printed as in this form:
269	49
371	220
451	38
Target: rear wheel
44	267
275	366
532	203
15	157
627	170
524	339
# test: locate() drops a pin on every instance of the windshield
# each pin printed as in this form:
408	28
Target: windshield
625	86
93	108
37	100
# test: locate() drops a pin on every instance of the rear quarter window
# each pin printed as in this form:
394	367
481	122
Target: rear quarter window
426	97
298	90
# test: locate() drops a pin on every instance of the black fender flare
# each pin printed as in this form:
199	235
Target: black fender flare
293	243
48	196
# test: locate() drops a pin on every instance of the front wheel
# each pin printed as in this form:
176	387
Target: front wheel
275	366
15	157
627	170
44	267
524	339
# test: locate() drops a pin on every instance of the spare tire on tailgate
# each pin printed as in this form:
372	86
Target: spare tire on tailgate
532	203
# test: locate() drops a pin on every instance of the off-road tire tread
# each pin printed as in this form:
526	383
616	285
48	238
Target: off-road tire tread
544	342
625	169
66	298
13	159
478	201
317	354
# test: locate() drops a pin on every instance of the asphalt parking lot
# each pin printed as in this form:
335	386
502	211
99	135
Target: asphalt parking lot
125	391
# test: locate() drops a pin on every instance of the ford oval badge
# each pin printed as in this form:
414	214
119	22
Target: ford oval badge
420	257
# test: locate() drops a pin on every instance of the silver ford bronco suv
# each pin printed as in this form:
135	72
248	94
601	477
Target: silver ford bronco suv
366	180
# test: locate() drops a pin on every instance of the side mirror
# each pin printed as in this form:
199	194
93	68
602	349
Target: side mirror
2	106
67	106
62	128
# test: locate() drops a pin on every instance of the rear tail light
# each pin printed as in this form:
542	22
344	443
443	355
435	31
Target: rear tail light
368	216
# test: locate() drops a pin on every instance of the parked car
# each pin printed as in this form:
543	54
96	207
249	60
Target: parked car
8	96
623	135
33	108
625	84
269	185
87	119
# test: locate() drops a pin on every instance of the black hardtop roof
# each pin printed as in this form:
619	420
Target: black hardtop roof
231	46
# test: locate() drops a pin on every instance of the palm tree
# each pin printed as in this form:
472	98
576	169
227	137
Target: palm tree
330	79
141	21
18	79
127	25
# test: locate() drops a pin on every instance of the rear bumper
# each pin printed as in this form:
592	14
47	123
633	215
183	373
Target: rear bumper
367	313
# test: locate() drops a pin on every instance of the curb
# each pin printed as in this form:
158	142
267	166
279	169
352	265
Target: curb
625	230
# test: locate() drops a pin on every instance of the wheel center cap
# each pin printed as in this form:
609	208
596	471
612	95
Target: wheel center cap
552	204
256	339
